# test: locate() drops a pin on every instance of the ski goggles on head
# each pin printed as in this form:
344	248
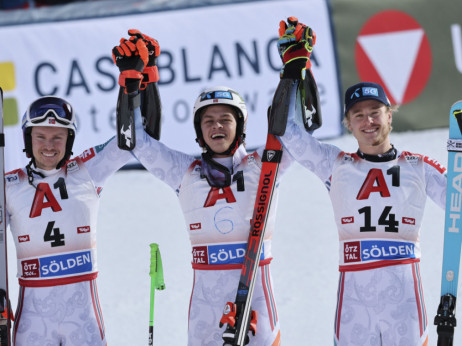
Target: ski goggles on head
217	175
217	94
54	107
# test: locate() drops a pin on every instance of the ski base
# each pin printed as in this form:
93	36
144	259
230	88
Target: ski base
125	120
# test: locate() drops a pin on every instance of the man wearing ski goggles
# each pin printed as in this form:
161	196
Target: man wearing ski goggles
52	206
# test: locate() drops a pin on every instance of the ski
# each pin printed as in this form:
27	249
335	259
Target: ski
151	112
445	319
125	120
5	309
238	316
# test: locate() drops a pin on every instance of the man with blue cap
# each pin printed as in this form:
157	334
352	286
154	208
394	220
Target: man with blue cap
368	116
378	195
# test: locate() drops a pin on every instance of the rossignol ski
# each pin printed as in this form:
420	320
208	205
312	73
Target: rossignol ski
5	308
239	316
445	319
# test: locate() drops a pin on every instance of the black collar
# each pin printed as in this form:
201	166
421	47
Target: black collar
387	156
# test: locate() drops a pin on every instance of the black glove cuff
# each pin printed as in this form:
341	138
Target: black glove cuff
293	69
132	85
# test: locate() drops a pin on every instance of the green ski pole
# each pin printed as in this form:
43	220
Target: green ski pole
157	283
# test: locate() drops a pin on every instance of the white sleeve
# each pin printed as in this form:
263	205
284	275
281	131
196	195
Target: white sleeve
104	160
435	176
304	148
164	163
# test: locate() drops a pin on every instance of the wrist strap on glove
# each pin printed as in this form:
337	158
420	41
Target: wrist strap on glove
150	75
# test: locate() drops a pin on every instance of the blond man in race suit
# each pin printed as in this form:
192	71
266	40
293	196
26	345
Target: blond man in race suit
378	196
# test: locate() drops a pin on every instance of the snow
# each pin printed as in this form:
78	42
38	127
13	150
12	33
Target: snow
136	210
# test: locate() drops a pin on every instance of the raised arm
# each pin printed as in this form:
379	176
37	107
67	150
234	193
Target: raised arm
139	101
300	102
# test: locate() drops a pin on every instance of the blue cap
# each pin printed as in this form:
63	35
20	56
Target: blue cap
364	91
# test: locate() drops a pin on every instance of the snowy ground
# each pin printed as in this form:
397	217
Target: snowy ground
137	210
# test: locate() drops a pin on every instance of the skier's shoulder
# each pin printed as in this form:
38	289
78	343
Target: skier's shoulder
73	165
410	156
15	176
77	163
92	152
195	165
347	157
87	155
254	156
414	158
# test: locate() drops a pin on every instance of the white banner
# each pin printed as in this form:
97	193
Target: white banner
232	45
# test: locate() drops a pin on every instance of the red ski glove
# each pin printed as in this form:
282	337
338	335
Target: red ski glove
229	318
131	57
295	44
150	72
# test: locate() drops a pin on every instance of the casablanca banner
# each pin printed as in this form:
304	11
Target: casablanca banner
231	45
413	48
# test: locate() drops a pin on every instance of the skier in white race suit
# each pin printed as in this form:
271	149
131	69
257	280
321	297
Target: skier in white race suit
378	196
217	195
52	206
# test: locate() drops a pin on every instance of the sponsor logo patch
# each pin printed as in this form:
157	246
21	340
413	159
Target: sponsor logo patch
30	268
72	166
221	254
412	159
370	91
60	265
23	238
87	155
349	219
377	250
84	229
195	226
351	251
200	255
408	220
348	158
12	178
101	147
435	164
